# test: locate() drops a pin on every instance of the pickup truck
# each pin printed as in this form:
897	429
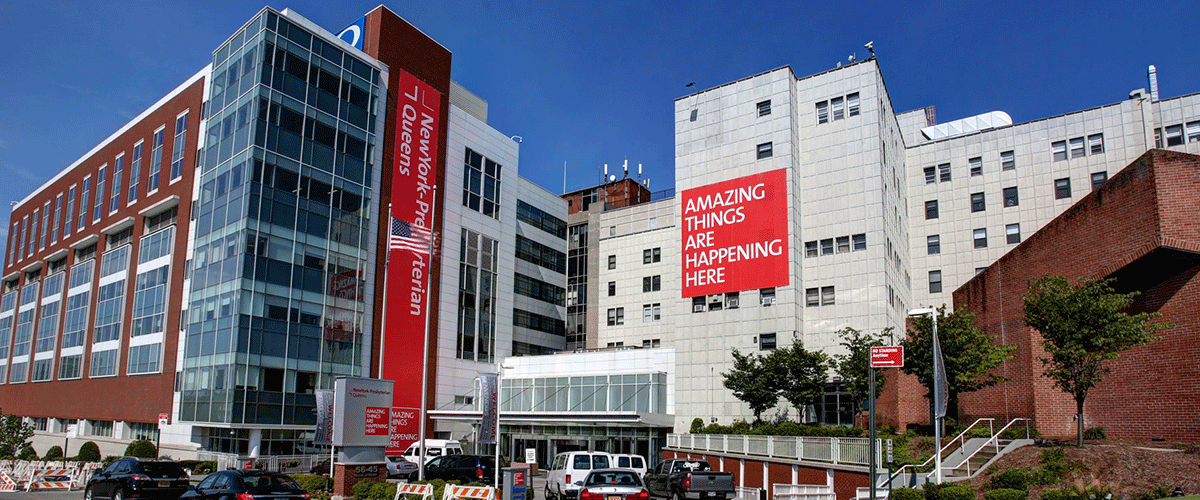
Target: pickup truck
682	479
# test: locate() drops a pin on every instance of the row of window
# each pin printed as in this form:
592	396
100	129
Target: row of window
540	290
651	255
1062	189
1175	134
843	244
941	172
538	322
837	108
731	300
538	218
822	296
1012	235
1078	147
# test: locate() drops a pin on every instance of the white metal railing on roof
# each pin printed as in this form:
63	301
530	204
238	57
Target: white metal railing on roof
849	451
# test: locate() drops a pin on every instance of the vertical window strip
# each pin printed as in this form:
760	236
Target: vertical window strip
135	171
155	162
118	169
178	149
99	193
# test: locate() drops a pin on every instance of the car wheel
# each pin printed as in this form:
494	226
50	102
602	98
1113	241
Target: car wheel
549	496
676	496
87	494
117	495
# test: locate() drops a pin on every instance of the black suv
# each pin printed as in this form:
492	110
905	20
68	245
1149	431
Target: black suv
464	468
138	477
248	484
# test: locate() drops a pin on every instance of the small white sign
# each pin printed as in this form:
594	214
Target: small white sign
73	430
531	455
163	419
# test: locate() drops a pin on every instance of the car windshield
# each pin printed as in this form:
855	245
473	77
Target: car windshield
268	481
613	478
161	469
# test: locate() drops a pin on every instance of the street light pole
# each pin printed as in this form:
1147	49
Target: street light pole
937	393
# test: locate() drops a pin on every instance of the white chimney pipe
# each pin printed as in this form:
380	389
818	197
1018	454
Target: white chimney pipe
1152	74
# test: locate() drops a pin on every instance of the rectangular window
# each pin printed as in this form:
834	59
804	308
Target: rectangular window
843	244
931	209
118	169
612	261
100	193
620	315
135	171
810	248
651	283
764	150
1096	143
935	281
766	296
976	166
1098	179
766	341
838	106
1077	150
822	112
1158	138
860	241
612	288
977	204
698	304
155	162
651	312
1008	161
652	255
481	184
944	172
852	104
1012	233
1062	188
764	108
930	175
827	296
1175	135
980	236
45	225
57	217
1193	131
1060	150
812	297
1010	197
933	244
69	215
177	151
827	246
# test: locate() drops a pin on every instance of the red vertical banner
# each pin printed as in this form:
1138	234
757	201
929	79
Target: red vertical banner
414	174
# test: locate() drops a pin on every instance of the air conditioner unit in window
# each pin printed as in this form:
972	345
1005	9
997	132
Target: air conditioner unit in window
698	308
731	303
766	301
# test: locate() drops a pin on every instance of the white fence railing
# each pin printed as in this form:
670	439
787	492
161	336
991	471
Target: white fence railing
744	493
285	463
850	451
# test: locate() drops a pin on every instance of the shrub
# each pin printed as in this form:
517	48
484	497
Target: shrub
311	482
374	490
1006	494
1012	479
141	448
697	425
1052	456
199	466
362	489
1095	492
1094	433
1161	490
907	494
89	452
108	460
54	453
956	492
27	453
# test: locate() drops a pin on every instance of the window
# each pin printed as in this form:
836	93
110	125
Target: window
827	246
1060	150
1175	135
852	104
177	151
118	169
651	312
651	255
1012	233
83	202
935	281
843	244
931	209
838	106
538	218
827	296
612	288
980	236
99	193
612	261
930	175
1098	179
698	304
944	172
1010	197
135	171
764	150
822	112
1077	150
977	204
69	215
1193	131
1158	138
933	244
976	166
155	163
1008	161
652	283
979	270
860	241
1062	188
764	108
616	316
1096	143
812	297
766	296
766	341
732	299
481	184
810	248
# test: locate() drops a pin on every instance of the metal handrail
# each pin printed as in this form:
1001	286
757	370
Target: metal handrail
943	448
995	441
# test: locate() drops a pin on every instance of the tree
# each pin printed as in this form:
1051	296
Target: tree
1082	327
798	375
853	367
751	383
54	453
968	354
14	434
141	448
89	452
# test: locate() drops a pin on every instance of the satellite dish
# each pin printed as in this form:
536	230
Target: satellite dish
612	177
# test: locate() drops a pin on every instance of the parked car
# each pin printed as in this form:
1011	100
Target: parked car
464	468
632	462
133	477
398	467
613	484
249	483
433	448
568	469
687	478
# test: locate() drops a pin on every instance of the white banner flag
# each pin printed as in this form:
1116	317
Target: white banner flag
488	394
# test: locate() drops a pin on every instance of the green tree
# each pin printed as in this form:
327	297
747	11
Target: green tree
853	367
798	375
54	453
15	433
89	452
968	353
1082	327
751	382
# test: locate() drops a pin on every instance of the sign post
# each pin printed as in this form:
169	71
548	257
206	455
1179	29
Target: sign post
881	357
163	420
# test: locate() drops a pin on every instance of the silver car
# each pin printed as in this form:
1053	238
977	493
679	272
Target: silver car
613	484
398	467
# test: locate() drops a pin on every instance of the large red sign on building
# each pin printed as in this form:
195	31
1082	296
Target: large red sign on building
735	235
418	116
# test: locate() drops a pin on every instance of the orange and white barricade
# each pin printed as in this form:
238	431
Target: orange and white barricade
50	479
7	483
425	491
455	492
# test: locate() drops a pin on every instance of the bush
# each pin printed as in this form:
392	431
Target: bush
956	492
1161	490
89	452
697	425
1006	494
1094	433
1052	456
108	460
374	490
1012	479
907	494
311	482
198	466
141	448
54	453
27	453
1096	492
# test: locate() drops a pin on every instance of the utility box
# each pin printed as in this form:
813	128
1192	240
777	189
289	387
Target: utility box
514	483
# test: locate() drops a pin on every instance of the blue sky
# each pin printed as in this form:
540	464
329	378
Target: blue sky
592	82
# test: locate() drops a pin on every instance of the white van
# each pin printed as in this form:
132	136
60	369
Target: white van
433	448
568	469
631	462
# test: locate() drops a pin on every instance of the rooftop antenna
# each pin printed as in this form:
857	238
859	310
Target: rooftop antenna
870	46
639	170
603	179
852	57
626	167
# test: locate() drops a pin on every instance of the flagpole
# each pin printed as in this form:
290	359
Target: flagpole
387	261
425	356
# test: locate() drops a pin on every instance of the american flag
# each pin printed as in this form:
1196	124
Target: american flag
406	236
